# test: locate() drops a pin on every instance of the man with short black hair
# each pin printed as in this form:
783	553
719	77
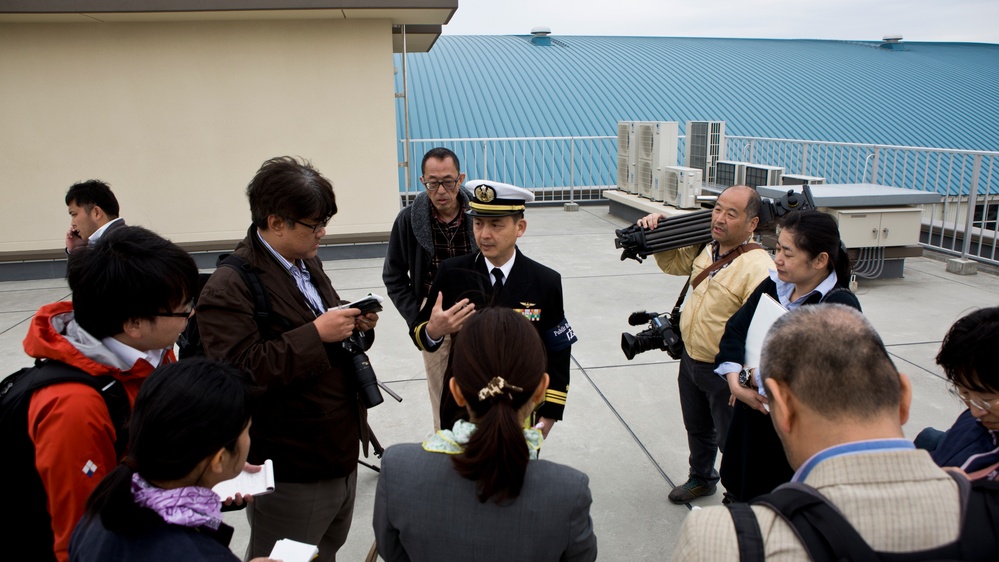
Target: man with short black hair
723	276
311	419
500	275
93	210
838	405
431	230
132	295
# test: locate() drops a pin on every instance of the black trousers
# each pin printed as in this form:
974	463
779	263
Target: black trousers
753	460
706	414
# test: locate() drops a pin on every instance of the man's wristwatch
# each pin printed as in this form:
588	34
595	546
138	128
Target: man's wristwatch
746	378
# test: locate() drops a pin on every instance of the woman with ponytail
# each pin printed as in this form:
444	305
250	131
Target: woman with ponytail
478	491
811	266
189	430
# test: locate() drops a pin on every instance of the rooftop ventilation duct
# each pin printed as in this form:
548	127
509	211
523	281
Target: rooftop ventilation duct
541	36
893	42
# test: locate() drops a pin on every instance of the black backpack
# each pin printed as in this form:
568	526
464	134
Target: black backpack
189	343
29	526
828	536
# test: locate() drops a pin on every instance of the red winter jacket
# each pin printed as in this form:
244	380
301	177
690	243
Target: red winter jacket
69	423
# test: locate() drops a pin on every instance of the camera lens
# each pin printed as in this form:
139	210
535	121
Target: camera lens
641	342
370	395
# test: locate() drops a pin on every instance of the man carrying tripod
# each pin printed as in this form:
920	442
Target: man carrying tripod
722	276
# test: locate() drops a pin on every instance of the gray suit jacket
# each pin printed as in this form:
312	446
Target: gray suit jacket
899	501
425	510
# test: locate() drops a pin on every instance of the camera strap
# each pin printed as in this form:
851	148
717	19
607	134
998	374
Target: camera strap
676	308
729	258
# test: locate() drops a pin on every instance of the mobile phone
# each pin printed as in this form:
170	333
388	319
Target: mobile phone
370	303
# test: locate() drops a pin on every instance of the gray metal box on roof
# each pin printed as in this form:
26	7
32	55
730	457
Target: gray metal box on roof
857	195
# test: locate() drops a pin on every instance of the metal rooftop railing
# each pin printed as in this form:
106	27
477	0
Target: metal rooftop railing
564	169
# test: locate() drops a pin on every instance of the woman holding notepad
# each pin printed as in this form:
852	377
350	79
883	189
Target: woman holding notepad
812	266
188	431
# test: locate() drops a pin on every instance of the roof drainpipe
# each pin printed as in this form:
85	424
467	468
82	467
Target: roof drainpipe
892	42
541	36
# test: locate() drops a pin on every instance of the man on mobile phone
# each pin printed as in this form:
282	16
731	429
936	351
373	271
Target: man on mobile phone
93	210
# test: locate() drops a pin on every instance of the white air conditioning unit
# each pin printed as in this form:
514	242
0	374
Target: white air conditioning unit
705	147
797	179
656	146
760	174
681	186
626	156
728	173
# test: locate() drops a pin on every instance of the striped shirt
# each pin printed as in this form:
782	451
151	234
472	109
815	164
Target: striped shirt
303	280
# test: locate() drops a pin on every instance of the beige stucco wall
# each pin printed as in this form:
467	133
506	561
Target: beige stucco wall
178	116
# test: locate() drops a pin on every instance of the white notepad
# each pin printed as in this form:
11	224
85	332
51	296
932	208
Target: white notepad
767	312
288	550
248	483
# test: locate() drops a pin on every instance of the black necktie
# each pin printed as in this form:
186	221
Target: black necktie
498	274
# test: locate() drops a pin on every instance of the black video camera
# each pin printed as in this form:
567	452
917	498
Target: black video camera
663	334
364	374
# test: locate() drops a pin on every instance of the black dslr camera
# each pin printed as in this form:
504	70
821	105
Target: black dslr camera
663	334
365	375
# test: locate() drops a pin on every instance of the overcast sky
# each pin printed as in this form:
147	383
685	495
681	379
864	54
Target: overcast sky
870	20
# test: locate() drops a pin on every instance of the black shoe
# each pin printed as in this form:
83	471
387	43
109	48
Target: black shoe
691	489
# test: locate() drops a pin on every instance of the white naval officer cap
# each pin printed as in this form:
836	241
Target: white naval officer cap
496	199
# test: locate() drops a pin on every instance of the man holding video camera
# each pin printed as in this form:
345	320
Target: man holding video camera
722	277
311	419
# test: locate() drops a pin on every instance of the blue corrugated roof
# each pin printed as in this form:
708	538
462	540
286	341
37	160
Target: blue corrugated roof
943	95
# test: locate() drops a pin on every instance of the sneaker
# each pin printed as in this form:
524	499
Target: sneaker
691	489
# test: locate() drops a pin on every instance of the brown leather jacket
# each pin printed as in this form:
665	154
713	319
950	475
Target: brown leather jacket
308	419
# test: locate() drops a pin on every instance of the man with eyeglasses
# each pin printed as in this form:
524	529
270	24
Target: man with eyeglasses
431	230
838	410
969	356
310	420
132	295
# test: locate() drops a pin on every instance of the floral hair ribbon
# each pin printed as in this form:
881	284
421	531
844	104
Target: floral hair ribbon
497	387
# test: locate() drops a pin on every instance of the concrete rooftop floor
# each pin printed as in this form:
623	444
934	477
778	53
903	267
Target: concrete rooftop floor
622	424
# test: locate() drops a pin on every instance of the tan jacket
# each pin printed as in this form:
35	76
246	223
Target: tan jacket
708	307
899	501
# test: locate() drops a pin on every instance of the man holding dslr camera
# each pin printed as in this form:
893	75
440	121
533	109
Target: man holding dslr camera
734	268
311	419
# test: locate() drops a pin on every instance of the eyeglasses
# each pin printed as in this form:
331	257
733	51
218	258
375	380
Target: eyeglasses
976	401
185	314
315	227
434	186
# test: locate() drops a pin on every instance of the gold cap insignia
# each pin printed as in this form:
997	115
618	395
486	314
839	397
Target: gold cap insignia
485	193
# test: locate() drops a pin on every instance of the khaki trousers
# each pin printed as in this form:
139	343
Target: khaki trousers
435	364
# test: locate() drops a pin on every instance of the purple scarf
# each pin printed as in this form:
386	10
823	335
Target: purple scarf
190	506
